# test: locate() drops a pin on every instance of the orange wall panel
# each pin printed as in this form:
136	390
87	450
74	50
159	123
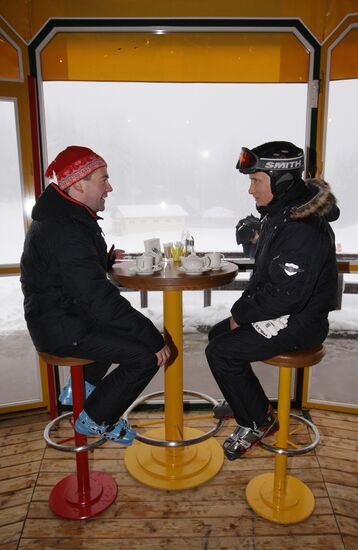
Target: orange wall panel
344	59
184	57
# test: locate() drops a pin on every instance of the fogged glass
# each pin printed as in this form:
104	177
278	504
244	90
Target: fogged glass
20	380
12	229
334	380
172	149
341	161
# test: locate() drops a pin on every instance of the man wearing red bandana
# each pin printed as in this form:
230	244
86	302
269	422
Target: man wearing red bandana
71	307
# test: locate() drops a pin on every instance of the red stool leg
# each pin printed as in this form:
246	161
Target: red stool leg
84	494
52	391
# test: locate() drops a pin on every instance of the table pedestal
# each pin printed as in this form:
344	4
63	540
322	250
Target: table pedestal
174	467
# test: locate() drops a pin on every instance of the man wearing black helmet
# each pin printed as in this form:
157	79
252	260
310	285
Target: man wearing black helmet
293	287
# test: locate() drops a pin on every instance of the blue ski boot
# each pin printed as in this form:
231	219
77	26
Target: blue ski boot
66	394
117	433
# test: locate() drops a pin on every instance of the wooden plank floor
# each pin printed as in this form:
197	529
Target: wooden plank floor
212	516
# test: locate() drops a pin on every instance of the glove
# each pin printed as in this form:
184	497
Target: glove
271	327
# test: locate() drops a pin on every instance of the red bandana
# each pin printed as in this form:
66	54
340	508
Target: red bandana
73	164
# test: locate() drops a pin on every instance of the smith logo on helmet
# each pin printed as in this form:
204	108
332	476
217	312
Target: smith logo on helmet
283	165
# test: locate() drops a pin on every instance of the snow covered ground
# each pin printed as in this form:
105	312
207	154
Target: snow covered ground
195	315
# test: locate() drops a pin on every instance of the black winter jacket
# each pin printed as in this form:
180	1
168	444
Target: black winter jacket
64	278
295	269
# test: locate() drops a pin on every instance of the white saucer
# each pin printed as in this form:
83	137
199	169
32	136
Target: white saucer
223	264
155	269
202	270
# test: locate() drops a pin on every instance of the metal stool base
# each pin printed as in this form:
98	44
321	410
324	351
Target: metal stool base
68	448
174	468
65	500
301	450
295	505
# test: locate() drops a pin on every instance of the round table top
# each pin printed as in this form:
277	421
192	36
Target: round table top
170	277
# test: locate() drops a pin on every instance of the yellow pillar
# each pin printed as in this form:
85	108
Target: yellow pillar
173	377
176	467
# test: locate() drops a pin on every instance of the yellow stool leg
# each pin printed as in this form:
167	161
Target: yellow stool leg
174	467
276	496
284	403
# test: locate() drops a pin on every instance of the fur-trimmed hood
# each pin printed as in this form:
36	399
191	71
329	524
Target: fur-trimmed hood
318	201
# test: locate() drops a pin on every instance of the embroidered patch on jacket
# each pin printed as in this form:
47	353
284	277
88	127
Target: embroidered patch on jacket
291	269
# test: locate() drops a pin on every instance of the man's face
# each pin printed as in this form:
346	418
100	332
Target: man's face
260	188
96	189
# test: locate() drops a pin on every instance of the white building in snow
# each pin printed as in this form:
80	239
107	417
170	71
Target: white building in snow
218	216
148	217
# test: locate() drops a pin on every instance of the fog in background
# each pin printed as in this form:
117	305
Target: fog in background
341	162
171	143
178	144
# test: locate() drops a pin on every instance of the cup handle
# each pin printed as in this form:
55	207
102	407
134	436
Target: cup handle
207	261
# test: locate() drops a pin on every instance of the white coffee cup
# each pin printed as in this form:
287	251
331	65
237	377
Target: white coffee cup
144	263
215	258
195	263
157	258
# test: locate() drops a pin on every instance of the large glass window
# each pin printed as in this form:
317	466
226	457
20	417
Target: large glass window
170	112
18	356
12	228
172	150
341	165
341	171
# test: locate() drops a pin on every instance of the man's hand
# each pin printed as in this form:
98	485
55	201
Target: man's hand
113	255
119	253
163	356
233	324
271	327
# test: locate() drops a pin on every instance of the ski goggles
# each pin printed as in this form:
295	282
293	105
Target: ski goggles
249	162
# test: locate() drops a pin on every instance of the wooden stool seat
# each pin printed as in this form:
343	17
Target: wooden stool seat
297	359
84	494
276	496
52	360
63	361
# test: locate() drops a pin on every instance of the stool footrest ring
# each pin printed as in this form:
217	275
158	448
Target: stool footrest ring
67	448
175	443
301	450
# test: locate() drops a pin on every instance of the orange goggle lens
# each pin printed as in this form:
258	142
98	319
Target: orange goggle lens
246	159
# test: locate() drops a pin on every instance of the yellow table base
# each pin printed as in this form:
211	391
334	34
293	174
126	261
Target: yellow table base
294	505
174	468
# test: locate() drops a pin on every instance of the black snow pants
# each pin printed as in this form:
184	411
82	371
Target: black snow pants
115	392
230	353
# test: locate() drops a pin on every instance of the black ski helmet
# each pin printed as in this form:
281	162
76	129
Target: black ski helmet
281	160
